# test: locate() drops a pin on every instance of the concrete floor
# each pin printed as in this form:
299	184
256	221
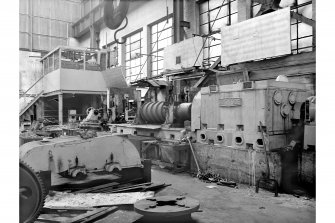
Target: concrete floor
224	204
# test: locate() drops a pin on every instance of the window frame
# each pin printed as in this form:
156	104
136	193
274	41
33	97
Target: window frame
126	61
209	59
153	45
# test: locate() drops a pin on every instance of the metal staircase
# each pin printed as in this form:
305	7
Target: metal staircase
26	107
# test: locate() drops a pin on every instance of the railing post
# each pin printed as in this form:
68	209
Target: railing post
84	60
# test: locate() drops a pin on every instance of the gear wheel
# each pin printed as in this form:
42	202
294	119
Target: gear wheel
32	194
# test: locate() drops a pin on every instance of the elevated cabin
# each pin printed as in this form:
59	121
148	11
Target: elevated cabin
72	80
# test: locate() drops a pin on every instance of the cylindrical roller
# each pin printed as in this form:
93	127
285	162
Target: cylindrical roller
153	112
183	112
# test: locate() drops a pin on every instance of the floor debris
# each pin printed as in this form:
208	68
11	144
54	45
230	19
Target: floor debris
211	186
61	199
71	216
209	177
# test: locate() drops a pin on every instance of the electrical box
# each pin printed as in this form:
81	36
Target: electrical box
184	54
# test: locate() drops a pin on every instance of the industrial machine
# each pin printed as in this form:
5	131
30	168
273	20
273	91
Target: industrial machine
159	127
227	118
72	160
229	115
32	194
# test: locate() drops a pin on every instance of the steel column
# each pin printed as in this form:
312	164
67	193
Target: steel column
178	12
60	109
108	97
244	10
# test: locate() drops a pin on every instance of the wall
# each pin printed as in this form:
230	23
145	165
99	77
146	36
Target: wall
51	81
30	70
241	166
81	80
75	80
44	23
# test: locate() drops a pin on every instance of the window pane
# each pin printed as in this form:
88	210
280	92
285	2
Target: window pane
160	64
301	1
136	37
203	18
306	11
154	28
305	30
219	23
162	44
294	45
160	54
154	37
305	42
204	29
161	25
127	56
136	45
215	51
255	9
164	35
287	3
234	18
233	7
215	3
203	7
217	13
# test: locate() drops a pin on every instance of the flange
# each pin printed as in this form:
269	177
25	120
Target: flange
167	206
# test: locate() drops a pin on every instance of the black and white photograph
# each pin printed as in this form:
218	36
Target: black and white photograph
160	111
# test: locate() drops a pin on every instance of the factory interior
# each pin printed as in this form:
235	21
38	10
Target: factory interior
134	111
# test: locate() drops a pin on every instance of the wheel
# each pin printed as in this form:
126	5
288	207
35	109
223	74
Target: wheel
32	194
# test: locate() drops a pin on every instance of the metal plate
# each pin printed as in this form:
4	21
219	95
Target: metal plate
230	102
257	38
115	77
167	206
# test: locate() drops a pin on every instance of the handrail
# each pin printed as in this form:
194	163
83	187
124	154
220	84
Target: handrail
24	94
31	103
60	47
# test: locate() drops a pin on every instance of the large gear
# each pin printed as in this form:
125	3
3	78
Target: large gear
32	194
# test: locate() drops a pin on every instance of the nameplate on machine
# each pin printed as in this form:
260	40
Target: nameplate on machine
230	102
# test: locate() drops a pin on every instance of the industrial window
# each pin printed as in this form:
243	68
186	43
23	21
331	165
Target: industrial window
134	57
213	15
301	33
161	36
